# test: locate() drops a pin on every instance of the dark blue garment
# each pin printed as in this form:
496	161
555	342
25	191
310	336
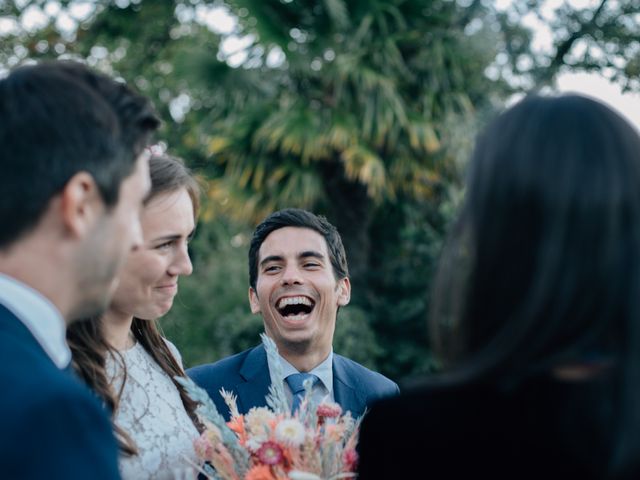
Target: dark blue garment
540	428
51	425
247	375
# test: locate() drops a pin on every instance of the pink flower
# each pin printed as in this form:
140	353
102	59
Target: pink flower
350	459
329	410
270	453
203	447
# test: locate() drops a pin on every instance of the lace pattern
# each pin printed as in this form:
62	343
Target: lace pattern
152	413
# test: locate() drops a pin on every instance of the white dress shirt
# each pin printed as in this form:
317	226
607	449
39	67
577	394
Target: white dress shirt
322	390
39	315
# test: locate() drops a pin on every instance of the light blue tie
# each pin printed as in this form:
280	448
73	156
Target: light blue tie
296	384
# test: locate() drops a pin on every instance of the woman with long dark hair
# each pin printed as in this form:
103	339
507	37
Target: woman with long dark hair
535	313
122	355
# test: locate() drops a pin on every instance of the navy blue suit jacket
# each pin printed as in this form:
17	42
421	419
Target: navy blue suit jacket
51	425
247	375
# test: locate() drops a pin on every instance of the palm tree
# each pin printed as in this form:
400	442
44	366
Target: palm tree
356	114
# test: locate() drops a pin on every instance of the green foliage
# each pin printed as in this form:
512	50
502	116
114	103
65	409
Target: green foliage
409	237
354	121
363	110
363	93
600	37
355	338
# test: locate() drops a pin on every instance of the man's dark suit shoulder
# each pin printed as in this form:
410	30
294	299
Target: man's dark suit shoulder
377	385
227	368
224	373
232	364
228	374
52	409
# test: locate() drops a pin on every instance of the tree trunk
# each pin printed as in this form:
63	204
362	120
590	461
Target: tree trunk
350	209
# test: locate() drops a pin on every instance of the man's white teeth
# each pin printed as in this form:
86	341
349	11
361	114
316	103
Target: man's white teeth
294	301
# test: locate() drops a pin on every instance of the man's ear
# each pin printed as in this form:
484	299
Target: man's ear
253	301
344	292
81	204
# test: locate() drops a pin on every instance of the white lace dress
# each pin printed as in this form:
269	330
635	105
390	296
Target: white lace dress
152	413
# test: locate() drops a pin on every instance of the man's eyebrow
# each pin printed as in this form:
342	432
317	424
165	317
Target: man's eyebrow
271	258
312	254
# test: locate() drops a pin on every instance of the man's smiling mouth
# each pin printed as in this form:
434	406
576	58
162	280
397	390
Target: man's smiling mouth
294	308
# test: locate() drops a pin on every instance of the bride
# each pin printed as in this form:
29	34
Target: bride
123	357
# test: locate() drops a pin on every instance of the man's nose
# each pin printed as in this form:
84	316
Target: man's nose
292	275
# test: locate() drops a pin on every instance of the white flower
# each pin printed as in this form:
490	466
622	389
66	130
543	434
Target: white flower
291	432
258	421
254	442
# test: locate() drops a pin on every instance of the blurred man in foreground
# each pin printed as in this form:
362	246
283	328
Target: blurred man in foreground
73	175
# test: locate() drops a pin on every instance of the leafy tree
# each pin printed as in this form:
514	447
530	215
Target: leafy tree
359	109
599	36
355	114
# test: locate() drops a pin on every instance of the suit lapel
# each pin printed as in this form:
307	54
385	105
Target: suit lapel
255	373
344	389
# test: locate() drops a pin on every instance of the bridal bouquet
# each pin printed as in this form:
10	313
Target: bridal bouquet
270	443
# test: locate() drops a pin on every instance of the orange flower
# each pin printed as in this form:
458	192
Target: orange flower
237	425
260	472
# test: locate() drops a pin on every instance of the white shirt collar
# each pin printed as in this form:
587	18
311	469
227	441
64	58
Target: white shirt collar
324	371
39	315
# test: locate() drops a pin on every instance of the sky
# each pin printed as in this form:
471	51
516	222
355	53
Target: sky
628	104
591	84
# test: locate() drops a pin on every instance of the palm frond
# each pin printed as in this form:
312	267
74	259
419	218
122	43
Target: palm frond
337	11
364	165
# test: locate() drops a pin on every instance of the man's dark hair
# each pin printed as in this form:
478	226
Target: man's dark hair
295	217
59	118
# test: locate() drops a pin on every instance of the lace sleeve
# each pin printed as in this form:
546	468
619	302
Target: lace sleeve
152	413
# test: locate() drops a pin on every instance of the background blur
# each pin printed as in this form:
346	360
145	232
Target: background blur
362	110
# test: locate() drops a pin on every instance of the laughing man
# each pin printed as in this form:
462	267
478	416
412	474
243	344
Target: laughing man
298	280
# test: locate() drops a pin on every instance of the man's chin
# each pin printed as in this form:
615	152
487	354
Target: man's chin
299	345
89	310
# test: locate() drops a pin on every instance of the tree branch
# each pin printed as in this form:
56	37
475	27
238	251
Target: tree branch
549	73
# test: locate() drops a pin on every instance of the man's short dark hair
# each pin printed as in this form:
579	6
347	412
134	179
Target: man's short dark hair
59	118
296	217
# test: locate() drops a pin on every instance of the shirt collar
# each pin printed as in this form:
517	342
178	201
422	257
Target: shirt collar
324	371
39	315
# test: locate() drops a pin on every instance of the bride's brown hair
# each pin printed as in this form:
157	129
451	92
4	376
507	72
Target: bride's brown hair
86	339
